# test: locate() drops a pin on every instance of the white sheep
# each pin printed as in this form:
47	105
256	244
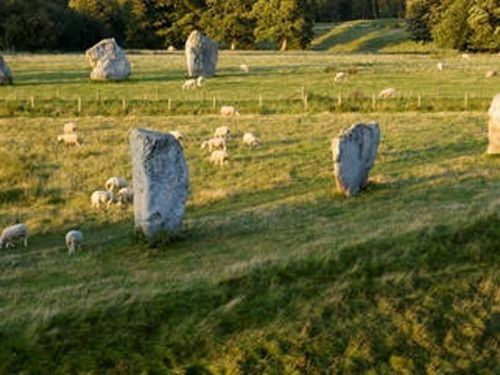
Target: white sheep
171	49
214	144
16	232
490	73
440	66
244	68
465	56
125	196
228	110
219	157
222	132
340	77
99	197
69	139
74	241
250	140
200	81
116	183
387	93
190	84
177	135
69	128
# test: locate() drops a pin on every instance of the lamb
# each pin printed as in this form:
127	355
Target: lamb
219	157
490	73
16	232
340	77
69	139
115	183
200	81
440	66
125	196
69	128
190	84
214	144
244	68
74	240
99	197
250	140
222	132
387	93
177	135
227	110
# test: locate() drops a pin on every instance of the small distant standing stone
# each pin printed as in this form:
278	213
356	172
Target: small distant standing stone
108	61
160	183
494	126
354	154
5	73
202	54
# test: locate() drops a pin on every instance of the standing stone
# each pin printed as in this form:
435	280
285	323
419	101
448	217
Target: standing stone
201	55
108	61
160	181
354	154
5	74
494	126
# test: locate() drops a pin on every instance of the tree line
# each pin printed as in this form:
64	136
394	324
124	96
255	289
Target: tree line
77	24
459	24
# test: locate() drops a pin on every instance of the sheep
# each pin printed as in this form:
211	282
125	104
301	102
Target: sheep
69	139
16	232
387	93
190	84
227	110
250	140
490	73
340	77
177	135
440	66
222	132
244	68
69	128
99	197
171	49
74	240
115	183
219	157
125	196
214	144
465	56
200	81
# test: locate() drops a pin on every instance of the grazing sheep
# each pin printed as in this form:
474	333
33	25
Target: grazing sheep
465	56
69	139
171	49
219	157
214	144
250	140
190	84
115	183
16	232
244	68
200	81
227	110
387	93
340	77
125	196
222	132
490	73
74	241
69	128
440	66
99	197
177	135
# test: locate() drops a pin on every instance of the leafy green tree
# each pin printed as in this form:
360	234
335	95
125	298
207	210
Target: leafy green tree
452	30
484	21
287	22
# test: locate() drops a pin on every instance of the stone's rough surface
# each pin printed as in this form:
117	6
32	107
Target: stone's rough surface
5	74
201	55
108	61
160	183
354	154
494	126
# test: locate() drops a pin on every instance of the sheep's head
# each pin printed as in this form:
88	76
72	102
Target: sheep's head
204	145
60	138
236	113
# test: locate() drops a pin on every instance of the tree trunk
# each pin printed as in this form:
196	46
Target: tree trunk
233	45
284	45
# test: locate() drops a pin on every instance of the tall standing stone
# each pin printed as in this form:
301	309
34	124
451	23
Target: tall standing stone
494	126
201	55
354	154
160	181
108	61
5	73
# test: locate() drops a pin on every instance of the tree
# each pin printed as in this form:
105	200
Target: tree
452	30
484	21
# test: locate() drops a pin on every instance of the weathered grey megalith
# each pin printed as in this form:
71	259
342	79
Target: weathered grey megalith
160	182
494	126
108	61
5	74
201	55
354	154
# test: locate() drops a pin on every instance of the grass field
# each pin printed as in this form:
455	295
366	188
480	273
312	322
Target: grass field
274	272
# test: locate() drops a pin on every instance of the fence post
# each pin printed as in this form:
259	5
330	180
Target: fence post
32	100
78	104
419	100
303	93
339	100
466	100
374	102
214	103
156	93
124	105
261	101
169	104
305	100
